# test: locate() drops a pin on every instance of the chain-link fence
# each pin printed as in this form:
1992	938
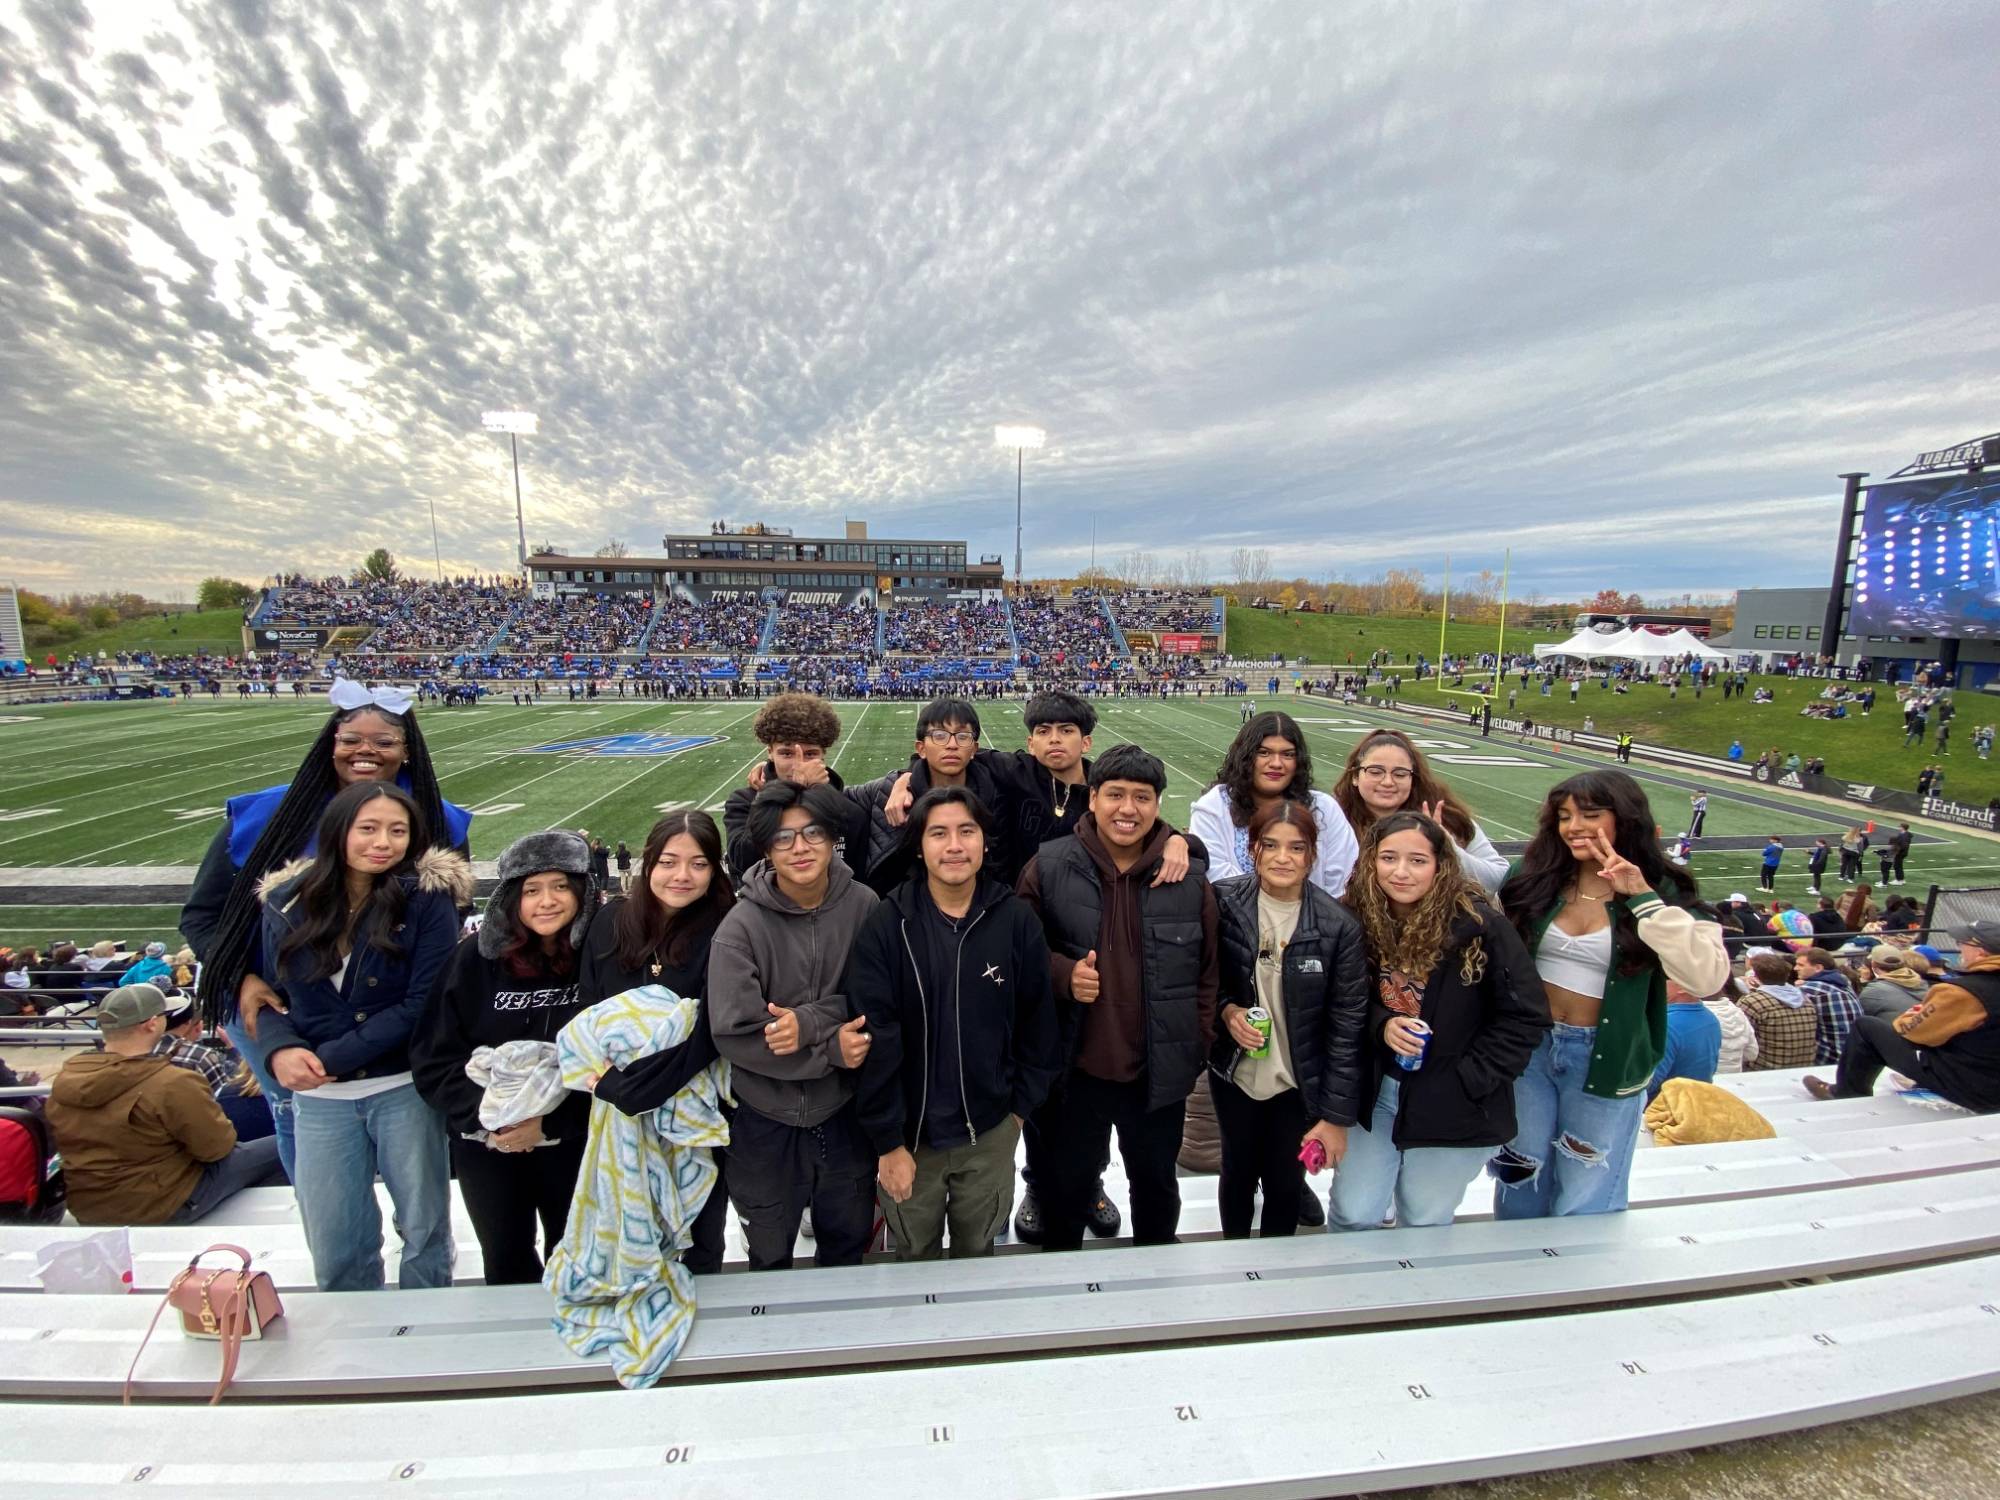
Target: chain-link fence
1952	907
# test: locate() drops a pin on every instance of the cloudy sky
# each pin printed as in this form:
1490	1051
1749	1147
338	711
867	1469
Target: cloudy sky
1623	287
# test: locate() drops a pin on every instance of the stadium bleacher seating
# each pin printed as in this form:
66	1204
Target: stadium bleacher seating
1187	610
825	630
1495	1348
948	630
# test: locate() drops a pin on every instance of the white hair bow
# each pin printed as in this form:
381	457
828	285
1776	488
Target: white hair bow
347	694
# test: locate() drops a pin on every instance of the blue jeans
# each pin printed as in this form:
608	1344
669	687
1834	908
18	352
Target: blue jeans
341	1145
1572	1151
276	1095
250	1164
1425	1184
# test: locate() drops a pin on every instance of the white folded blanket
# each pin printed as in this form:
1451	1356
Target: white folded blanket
522	1080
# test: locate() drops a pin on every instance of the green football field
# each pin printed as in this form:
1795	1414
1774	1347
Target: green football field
116	785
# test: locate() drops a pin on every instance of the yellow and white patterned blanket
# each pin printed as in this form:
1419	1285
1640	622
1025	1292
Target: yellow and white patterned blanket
619	1286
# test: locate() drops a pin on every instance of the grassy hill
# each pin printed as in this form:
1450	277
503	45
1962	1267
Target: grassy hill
1338	639
197	630
1855	748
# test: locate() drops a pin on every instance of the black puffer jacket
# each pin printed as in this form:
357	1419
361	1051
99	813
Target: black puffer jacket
1487	1012
1326	994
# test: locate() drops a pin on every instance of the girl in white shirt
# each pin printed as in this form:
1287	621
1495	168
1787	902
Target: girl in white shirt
1386	773
1268	763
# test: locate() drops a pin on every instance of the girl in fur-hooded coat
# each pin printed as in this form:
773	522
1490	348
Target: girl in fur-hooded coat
513	982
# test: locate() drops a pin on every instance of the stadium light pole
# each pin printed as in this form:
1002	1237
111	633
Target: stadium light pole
515	424
1020	438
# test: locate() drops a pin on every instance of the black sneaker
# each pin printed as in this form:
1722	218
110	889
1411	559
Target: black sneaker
1028	1218
1104	1215
1312	1212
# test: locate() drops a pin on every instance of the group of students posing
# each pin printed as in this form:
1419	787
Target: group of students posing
908	977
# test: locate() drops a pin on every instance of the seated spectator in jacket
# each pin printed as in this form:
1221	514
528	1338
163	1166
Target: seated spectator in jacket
142	1141
952	973
1694	1041
1136	976
1786	1024
1893	984
1835	1008
1949	1043
151	967
1739	1037
182	1045
792	1034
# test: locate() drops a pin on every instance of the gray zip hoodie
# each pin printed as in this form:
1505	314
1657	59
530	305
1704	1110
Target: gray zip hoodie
770	949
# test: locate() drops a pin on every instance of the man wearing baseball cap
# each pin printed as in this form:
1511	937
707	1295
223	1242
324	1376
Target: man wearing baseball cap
1948	1042
142	1141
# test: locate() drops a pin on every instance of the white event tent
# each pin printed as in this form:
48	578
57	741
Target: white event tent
1632	645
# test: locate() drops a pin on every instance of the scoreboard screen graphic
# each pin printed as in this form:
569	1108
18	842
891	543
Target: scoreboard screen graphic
1928	559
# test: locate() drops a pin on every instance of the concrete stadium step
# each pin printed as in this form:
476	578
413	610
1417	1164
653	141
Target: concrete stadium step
1319	1415
485	1338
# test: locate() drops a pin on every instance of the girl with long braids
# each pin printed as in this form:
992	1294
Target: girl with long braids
1266	764
1609	922
353	941
1385	773
371	735
1441	957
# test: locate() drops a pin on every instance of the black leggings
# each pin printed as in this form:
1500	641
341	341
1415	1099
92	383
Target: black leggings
1260	1143
506	1193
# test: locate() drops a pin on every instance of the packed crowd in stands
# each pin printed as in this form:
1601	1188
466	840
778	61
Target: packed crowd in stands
446	617
1062	631
825	630
1165	609
722	625
574	623
947	629
457	614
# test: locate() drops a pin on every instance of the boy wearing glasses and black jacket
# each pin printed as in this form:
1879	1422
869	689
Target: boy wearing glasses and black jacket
947	739
793	1038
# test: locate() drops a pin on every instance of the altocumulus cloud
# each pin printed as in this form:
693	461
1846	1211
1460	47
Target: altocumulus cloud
1621	286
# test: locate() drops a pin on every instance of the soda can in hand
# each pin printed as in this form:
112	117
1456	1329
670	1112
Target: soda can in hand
1260	1018
1423	1033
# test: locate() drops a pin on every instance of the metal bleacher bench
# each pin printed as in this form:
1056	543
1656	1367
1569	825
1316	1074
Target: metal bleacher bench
265	1220
1318	1415
499	1337
1322	1364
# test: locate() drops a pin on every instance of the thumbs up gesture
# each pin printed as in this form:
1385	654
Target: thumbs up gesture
854	1043
1083	978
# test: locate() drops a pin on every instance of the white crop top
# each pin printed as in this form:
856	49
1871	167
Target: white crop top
1577	964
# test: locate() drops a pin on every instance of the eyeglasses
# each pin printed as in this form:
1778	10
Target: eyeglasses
1397	774
814	835
951	736
383	742
1263	754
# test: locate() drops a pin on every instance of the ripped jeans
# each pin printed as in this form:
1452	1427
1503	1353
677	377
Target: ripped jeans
1572	1150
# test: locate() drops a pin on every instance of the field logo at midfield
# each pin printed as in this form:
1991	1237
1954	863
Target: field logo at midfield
650	742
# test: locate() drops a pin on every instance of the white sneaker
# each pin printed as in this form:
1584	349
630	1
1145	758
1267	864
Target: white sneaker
806	1223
